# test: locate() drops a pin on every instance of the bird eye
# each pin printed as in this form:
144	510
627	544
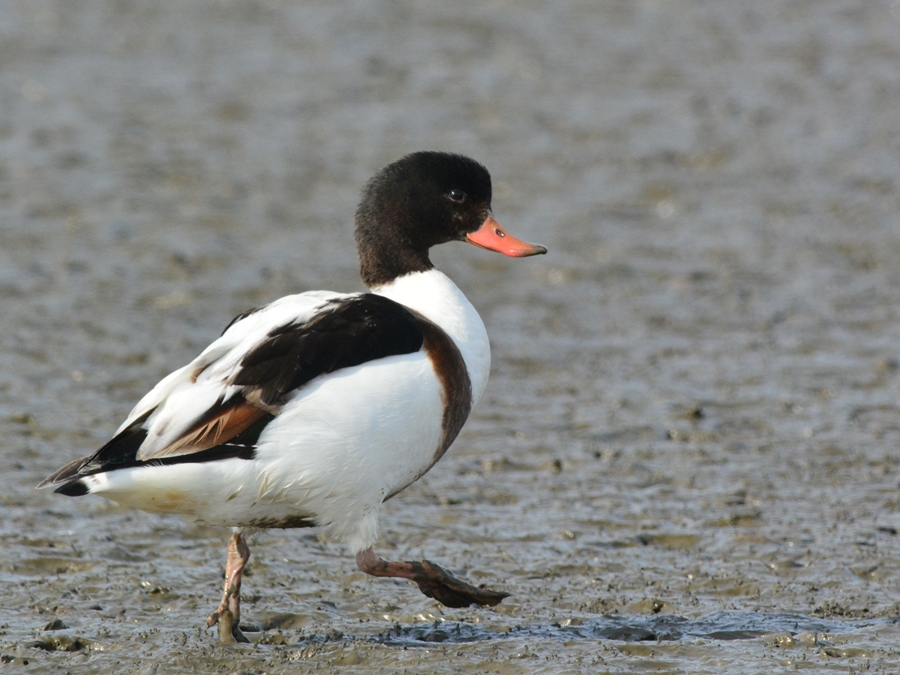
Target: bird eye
457	195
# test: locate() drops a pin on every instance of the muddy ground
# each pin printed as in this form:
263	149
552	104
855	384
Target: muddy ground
687	457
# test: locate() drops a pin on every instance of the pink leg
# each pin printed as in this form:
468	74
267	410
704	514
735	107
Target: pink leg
433	580
228	615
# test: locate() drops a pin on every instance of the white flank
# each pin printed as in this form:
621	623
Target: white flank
344	443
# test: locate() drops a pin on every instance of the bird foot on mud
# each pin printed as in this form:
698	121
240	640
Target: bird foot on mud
436	582
433	580
229	629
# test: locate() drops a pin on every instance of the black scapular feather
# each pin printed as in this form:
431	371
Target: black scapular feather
356	330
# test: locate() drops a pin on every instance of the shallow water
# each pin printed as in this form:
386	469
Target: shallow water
686	460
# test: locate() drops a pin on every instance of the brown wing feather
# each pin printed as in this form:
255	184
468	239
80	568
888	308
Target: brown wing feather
218	426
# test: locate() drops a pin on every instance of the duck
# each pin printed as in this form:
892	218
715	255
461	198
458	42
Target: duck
315	409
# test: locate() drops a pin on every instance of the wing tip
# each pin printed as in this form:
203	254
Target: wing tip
71	488
66	475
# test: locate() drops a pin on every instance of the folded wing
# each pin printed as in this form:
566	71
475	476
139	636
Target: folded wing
218	405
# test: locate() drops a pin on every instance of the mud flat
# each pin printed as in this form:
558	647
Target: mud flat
687	457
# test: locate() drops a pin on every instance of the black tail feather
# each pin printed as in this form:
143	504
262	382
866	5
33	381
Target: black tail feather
76	488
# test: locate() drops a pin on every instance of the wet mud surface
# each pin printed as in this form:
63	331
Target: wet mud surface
687	458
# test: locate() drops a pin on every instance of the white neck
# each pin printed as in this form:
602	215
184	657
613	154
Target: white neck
437	298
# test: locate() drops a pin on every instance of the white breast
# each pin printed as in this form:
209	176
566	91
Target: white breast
436	297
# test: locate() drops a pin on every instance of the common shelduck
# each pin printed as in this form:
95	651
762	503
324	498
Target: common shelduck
315	409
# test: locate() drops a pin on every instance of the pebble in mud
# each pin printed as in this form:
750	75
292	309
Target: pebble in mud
61	643
717	185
